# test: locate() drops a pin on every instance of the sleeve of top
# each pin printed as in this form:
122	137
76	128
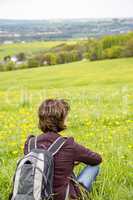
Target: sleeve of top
85	155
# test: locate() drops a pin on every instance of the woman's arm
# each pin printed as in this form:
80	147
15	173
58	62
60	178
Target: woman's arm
85	155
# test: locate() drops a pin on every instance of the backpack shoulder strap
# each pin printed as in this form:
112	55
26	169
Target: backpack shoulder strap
32	144
56	146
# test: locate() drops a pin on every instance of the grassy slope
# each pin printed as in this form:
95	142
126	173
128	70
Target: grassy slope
75	74
101	99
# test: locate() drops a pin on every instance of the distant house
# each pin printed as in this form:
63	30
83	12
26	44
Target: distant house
8	42
45	62
14	59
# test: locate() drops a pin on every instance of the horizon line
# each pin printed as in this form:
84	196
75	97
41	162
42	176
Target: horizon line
80	18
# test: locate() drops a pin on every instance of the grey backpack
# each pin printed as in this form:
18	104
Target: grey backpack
33	179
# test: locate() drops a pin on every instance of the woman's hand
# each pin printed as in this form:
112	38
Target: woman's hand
76	163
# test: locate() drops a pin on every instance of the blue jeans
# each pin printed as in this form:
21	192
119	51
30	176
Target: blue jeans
88	176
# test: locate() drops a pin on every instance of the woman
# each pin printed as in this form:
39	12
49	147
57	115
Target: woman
52	115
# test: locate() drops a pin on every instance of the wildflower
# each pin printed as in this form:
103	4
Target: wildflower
130	146
14	152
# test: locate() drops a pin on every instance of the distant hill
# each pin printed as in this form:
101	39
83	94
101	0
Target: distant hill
30	30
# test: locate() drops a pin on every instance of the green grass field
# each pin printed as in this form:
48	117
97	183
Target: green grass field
29	47
101	118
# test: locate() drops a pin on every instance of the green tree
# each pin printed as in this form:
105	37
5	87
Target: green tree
95	50
113	52
114	40
128	51
62	58
9	66
21	56
32	62
50	58
2	67
7	58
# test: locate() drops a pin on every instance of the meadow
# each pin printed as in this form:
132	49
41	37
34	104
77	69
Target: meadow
101	118
28	47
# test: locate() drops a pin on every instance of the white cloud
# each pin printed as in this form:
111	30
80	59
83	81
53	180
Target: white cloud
41	9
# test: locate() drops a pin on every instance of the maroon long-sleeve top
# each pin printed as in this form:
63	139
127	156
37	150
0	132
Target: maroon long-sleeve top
64	161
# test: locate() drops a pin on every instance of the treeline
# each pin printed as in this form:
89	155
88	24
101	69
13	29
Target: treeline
108	47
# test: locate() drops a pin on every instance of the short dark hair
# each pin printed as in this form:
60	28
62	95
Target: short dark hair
52	114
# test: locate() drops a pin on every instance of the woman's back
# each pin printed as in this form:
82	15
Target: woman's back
64	162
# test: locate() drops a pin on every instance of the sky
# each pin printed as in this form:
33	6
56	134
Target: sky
60	9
